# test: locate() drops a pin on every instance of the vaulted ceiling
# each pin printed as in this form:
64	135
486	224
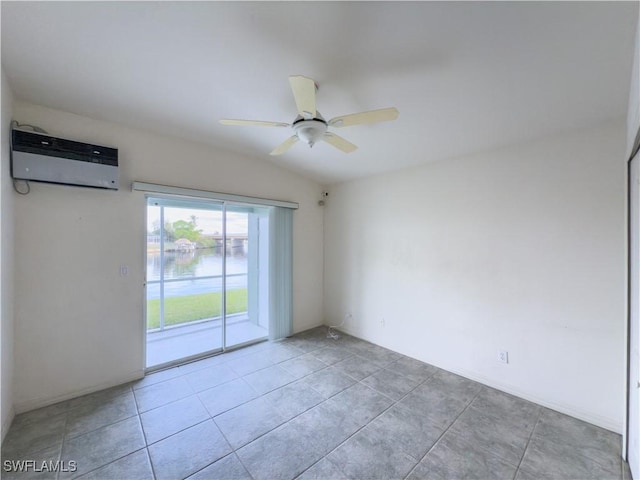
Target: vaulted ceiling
465	76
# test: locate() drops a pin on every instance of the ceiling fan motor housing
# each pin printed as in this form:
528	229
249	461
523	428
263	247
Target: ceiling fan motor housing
310	131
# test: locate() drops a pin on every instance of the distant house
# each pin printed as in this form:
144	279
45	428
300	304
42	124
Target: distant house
184	245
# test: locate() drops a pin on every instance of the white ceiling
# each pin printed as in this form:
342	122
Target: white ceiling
465	76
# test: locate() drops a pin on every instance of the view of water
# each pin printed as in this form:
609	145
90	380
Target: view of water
198	263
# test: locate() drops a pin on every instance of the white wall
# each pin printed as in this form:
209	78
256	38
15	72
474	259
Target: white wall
633	112
6	262
79	325
520	249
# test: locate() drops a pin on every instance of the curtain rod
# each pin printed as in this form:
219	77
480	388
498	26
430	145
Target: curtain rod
190	192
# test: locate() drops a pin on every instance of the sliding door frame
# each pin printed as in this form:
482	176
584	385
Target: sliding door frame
186	194
204	203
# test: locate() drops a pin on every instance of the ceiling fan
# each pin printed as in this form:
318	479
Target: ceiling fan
309	126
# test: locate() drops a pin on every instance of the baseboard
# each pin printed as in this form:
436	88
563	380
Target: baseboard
597	420
29	405
6	423
303	328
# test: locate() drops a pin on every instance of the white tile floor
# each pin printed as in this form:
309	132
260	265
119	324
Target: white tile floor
193	339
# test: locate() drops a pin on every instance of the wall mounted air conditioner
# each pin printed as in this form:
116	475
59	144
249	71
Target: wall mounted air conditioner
43	158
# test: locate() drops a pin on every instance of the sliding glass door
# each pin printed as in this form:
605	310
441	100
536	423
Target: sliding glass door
207	277
246	273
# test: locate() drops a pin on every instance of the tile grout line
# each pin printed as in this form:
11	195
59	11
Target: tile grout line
242	463
153	470
326	455
269	431
144	434
301	413
240	377
64	437
393	404
211	417
109	463
524	452
144	438
578	452
147	445
443	434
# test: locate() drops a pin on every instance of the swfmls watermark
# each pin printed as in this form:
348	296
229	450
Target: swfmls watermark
37	466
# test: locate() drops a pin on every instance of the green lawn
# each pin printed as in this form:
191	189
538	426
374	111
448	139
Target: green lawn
195	307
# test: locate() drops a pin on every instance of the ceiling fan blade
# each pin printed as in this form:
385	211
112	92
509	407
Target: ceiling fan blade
373	116
339	142
284	146
304	93
259	123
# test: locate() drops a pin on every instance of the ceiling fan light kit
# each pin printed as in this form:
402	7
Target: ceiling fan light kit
310	131
309	126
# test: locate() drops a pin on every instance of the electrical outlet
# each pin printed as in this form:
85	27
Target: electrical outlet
124	270
382	322
503	356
